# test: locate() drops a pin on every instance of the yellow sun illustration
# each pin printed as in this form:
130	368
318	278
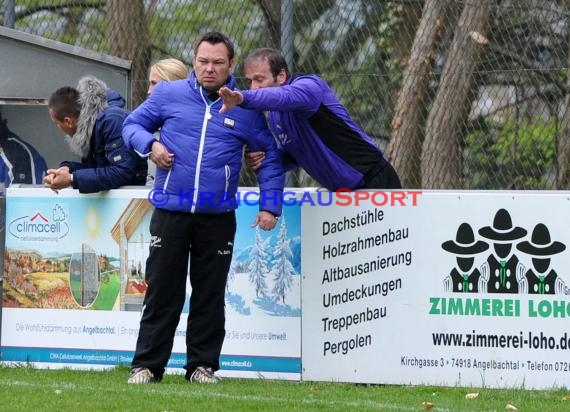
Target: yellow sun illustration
92	222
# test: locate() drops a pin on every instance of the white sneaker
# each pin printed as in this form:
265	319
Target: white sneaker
204	375
141	375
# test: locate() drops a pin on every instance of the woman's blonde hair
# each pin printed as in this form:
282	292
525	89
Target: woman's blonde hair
170	69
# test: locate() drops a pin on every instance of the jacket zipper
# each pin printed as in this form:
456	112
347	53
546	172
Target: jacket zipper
207	116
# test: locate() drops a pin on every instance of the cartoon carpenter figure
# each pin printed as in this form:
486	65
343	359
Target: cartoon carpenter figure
499	272
464	277
539	279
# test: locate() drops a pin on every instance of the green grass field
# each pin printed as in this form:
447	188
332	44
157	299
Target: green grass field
108	292
29	389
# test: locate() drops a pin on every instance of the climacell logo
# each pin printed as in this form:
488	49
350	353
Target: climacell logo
41	226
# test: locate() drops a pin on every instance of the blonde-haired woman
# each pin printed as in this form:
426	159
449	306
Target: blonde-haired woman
166	69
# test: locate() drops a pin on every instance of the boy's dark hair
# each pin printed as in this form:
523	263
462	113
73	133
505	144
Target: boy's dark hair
273	57
215	37
64	102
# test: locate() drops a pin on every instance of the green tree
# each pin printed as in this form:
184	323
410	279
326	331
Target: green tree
511	150
441	161
411	107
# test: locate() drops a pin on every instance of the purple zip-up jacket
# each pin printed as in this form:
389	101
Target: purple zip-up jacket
315	131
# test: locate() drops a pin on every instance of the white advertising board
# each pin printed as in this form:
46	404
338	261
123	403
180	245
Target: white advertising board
464	288
74	285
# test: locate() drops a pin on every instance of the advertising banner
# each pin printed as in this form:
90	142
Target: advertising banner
74	284
437	288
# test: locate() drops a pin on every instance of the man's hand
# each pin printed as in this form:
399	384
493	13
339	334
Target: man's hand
230	97
265	220
160	156
57	179
253	159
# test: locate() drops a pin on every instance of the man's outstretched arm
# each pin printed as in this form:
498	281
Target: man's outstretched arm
231	98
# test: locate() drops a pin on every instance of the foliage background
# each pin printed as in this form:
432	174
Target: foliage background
460	94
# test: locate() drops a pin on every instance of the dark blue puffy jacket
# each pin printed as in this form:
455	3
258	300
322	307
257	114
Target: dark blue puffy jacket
20	162
107	163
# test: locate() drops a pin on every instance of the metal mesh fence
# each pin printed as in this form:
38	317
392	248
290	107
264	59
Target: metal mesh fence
460	94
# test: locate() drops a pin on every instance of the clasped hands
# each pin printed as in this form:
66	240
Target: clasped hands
265	220
57	179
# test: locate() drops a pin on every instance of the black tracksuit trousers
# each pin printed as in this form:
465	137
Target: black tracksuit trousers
208	240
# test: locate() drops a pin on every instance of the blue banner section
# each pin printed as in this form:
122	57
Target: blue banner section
115	358
260	363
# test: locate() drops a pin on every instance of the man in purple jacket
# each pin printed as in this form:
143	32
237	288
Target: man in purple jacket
312	128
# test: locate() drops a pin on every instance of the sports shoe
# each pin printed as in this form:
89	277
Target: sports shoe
141	375
203	375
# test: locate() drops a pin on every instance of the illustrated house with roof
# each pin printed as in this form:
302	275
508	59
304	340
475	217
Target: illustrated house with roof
131	233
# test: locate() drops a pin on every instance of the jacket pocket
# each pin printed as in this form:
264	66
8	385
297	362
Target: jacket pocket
228	175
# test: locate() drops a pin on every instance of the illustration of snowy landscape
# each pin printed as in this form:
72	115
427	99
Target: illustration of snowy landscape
265	273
